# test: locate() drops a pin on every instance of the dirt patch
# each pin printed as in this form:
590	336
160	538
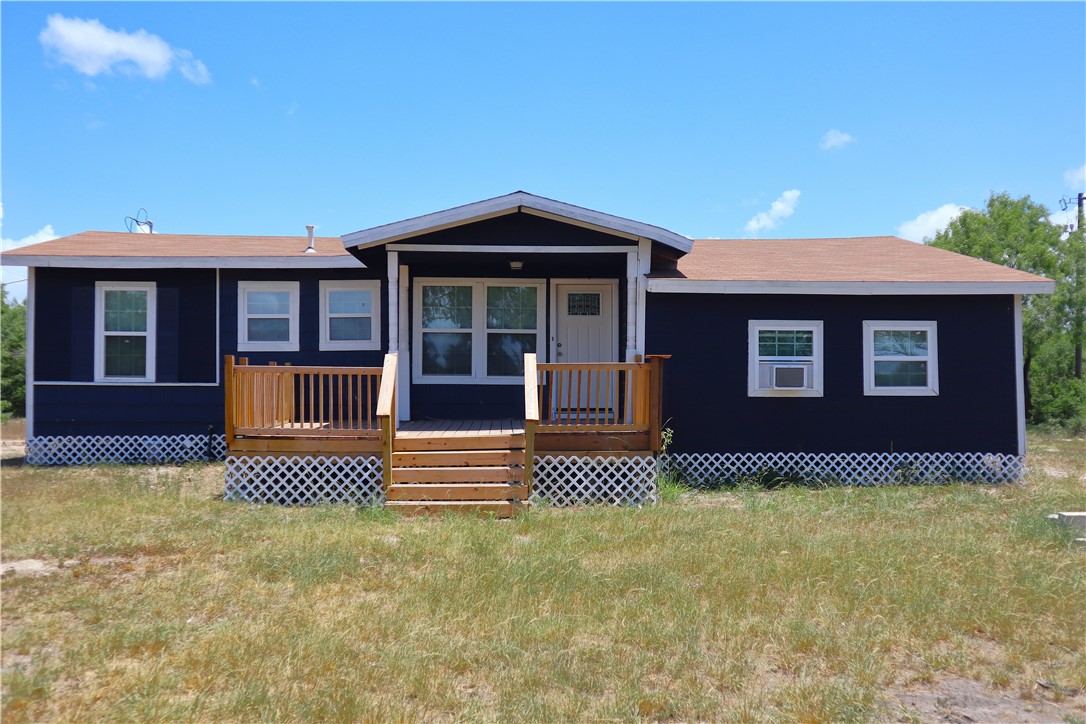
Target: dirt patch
964	700
700	499
28	567
37	567
1060	473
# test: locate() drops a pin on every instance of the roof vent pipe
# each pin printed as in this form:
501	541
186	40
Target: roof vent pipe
310	249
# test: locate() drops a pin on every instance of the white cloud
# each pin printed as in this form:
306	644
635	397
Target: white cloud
834	139
14	277
194	70
929	223
93	49
1075	178
781	209
45	233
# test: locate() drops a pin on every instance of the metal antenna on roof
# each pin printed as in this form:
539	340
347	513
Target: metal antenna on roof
139	224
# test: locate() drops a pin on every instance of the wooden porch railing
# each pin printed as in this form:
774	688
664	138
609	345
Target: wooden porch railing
274	400
614	397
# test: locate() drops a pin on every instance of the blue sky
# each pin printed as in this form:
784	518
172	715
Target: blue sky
709	119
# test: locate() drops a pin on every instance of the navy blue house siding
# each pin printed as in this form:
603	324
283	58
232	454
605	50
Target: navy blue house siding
64	352
64	322
127	410
186	398
309	352
705	395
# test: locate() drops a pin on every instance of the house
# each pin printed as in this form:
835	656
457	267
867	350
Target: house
869	359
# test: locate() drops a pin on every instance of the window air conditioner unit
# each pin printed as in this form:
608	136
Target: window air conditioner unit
789	377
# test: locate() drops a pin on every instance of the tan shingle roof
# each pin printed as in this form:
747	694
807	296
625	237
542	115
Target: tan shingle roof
105	244
857	259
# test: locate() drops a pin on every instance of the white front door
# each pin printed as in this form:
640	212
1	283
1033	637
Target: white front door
584	324
585	331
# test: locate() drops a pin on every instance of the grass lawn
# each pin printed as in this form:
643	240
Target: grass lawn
140	594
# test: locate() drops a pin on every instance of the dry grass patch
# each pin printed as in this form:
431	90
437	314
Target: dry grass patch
164	602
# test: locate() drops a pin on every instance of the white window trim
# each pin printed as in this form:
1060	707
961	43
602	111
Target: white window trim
100	289
373	286
478	329
290	345
929	390
756	325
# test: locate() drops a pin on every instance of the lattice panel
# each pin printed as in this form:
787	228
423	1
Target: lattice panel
305	479
89	450
579	480
713	469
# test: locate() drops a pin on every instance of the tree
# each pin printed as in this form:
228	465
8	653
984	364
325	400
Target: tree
1017	233
12	357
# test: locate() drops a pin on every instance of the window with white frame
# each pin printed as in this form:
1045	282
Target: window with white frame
350	314
124	339
476	331
268	316
900	358
784	358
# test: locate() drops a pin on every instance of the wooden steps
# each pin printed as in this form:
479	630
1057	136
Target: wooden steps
449	443
498	508
463	473
457	491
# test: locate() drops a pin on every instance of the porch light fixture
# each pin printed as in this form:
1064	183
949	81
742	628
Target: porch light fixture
516	265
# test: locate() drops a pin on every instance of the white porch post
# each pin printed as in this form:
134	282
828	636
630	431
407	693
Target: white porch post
403	389
644	266
393	302
1019	376
31	302
631	305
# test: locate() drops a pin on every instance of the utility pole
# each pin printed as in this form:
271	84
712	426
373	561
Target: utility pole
1076	246
1080	285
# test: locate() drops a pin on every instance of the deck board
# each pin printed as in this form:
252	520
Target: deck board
432	429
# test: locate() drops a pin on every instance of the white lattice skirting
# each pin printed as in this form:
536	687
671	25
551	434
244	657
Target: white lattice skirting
577	480
305	479
93	449
713	469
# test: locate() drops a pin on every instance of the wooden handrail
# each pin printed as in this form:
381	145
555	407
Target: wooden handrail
387	395
228	382
531	388
386	413
531	415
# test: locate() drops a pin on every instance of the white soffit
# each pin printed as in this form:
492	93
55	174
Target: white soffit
298	261
509	204
684	286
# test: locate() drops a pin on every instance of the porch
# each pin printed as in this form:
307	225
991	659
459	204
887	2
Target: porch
575	417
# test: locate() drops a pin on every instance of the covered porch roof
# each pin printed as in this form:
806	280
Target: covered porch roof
516	202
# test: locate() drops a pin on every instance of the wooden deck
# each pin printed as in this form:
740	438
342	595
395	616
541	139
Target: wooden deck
579	410
458	428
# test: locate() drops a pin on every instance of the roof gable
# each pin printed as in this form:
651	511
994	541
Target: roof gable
518	201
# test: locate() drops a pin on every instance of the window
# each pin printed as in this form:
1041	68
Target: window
350	315
476	332
900	358
584	304
268	316
124	339
784	358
